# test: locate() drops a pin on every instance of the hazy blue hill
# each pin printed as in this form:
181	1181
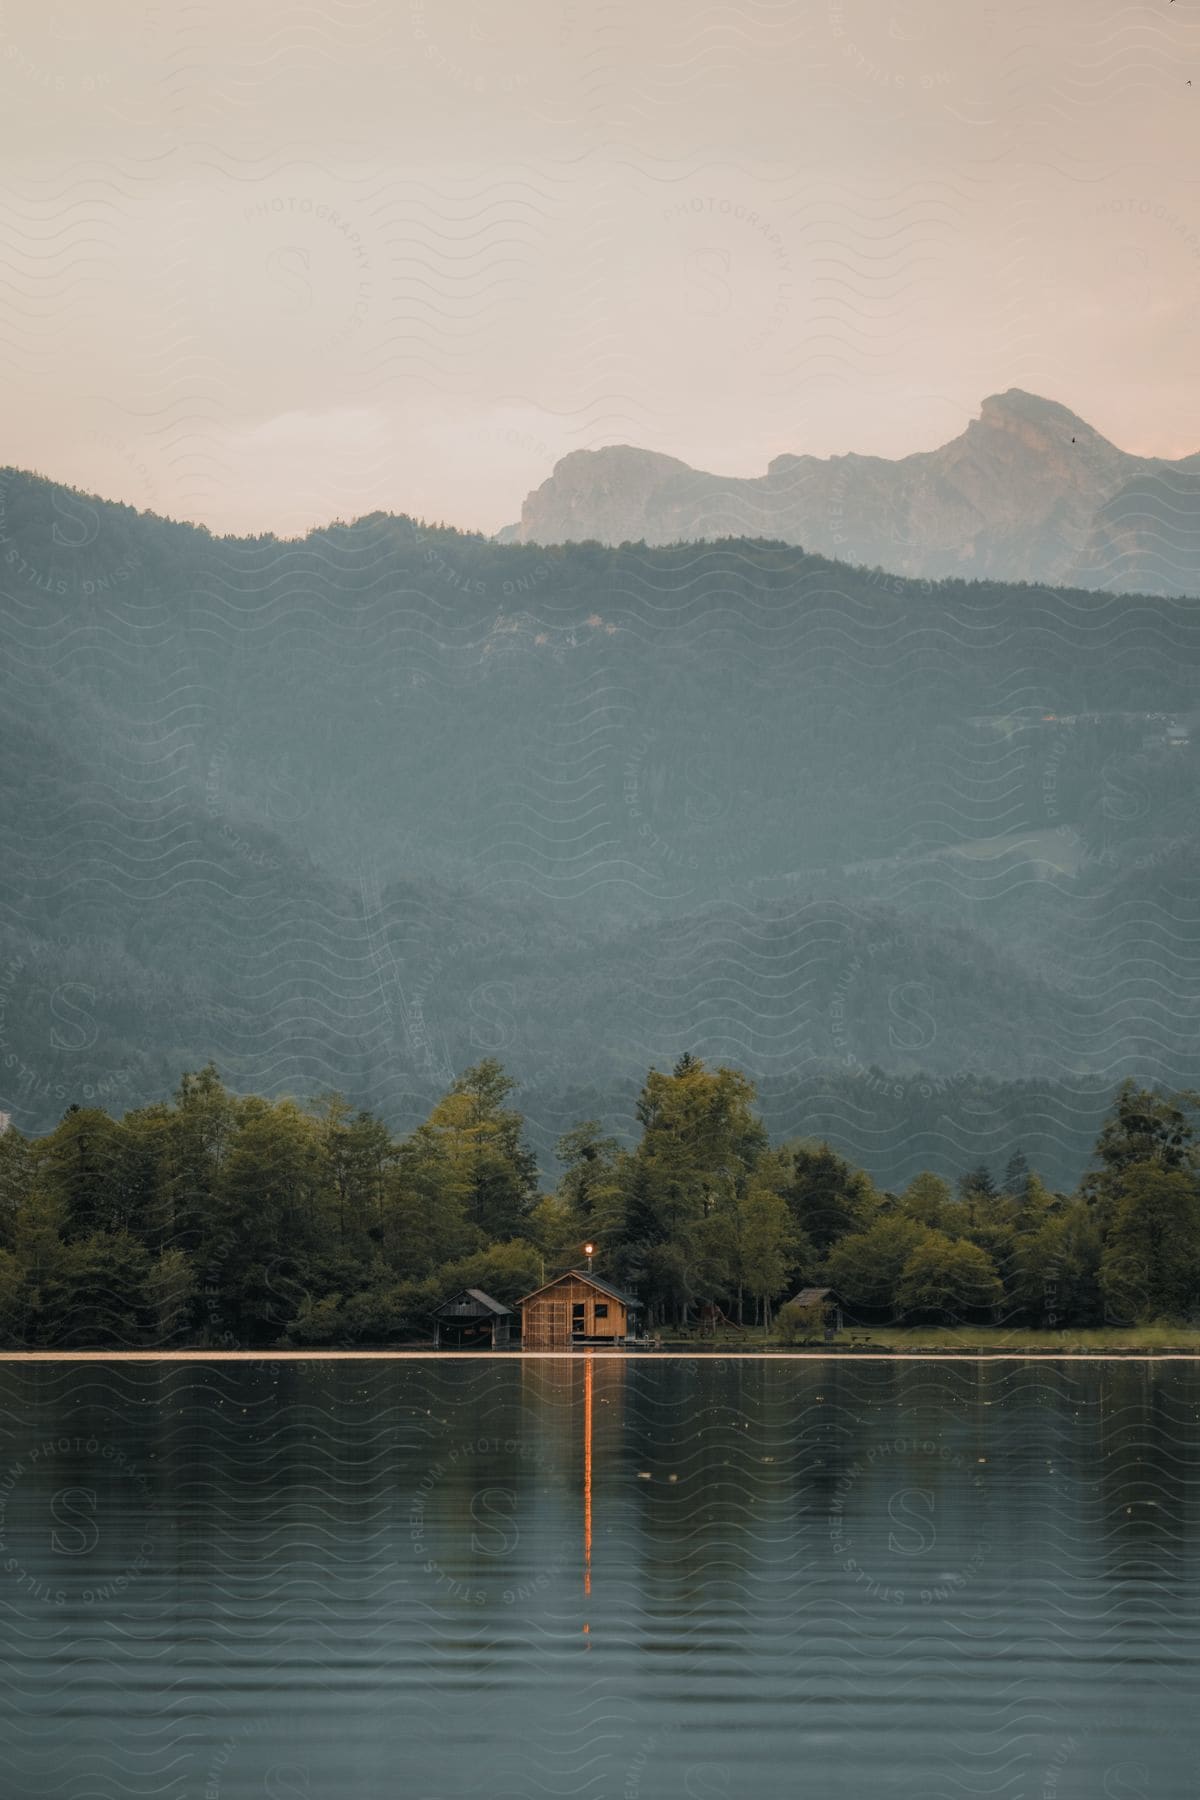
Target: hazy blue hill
357	809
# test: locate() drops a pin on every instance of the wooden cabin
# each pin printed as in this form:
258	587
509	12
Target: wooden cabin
575	1309
471	1320
825	1306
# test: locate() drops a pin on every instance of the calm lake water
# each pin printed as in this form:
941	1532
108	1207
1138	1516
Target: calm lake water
642	1580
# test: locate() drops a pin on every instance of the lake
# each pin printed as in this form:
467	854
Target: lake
643	1579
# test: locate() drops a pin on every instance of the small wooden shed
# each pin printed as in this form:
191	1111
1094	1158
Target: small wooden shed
575	1309
471	1320
826	1305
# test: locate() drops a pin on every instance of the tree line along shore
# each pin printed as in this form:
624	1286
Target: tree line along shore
219	1220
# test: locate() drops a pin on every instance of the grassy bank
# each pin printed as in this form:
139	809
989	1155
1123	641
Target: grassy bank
1143	1338
1158	1338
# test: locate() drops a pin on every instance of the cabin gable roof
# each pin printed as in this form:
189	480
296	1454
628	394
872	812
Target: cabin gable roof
812	1296
481	1299
629	1301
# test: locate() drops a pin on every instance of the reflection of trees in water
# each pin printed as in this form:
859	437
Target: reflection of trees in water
1144	1460
716	1522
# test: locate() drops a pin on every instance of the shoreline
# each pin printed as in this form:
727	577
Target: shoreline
571	1356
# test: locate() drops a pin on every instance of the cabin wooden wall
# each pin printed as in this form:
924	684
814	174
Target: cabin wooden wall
546	1319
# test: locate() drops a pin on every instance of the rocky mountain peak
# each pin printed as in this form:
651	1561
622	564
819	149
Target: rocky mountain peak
1017	496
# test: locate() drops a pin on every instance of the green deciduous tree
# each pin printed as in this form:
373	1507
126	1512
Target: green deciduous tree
590	1184
199	1134
14	1303
169	1292
947	1282
769	1244
18	1175
495	1171
101	1301
81	1166
928	1200
1142	1127
1150	1266
866	1266
686	1188
506	1271
1055	1266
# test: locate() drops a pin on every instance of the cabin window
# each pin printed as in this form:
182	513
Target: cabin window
578	1312
600	1310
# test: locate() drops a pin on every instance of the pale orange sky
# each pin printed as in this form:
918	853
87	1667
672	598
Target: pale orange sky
268	264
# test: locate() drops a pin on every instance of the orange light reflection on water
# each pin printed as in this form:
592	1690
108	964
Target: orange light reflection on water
588	1373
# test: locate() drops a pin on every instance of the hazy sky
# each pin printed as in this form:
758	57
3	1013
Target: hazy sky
266	264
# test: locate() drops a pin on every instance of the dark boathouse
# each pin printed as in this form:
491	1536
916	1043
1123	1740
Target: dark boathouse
471	1320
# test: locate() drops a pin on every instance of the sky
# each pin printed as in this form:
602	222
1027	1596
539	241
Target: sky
264	264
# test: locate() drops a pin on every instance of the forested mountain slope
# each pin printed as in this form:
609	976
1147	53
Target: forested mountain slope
354	810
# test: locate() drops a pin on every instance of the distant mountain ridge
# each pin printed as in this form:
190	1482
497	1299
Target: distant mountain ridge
1028	492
